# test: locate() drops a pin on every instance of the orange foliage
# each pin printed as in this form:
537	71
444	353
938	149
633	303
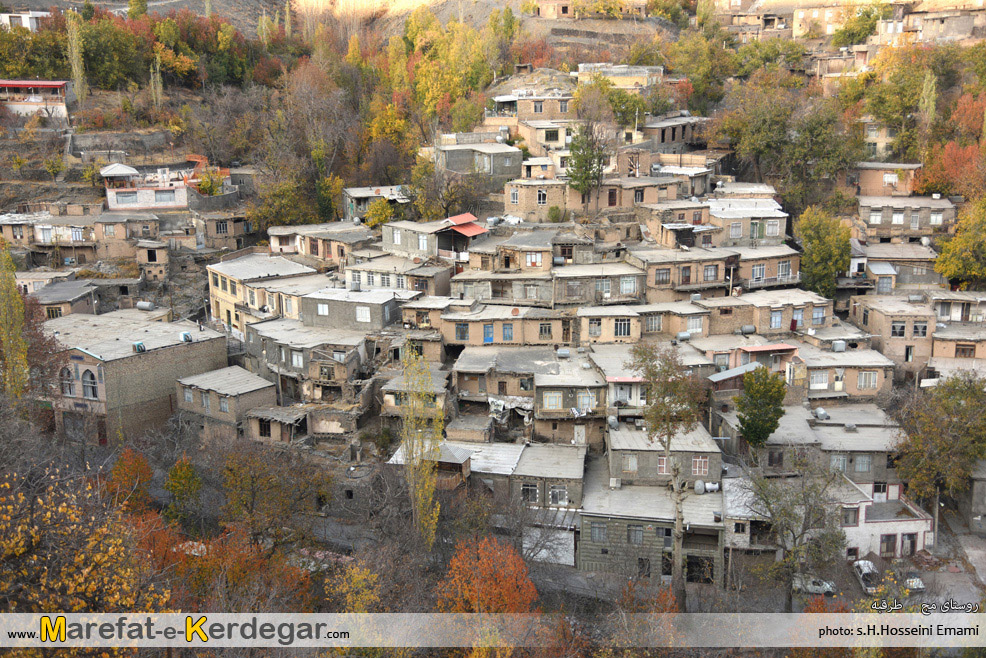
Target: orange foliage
954	169
635	598
129	479
486	576
821	605
968	115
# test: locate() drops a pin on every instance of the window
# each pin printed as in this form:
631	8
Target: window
558	494
936	218
531	291
662	465
662	276
401	283
638	196
534	259
297	359
773	228
371	278
508	331
862	463
385	280
711	272
909	353
739	528
783	269
422	242
890	178
222	228
462	331
287	305
538	107
897	329
866	316
544	331
164	196
205	400
888	546
224	405
585	400
362	313
551	400
68	382
867	380
395	236
635	534
630	464
232	287
603	286
189	395
700	465
90	390
799	317
898	217
597	531
595	327
920	330
818	315
529	493
628	285
850	516
838	463
542	196
126	198
515	196
225	287
965	351
264	427
736	230
653	323
695	324
53	312
621	327
527	384
76	234
322	309
551	135
819	380
776	317
876	215
775	458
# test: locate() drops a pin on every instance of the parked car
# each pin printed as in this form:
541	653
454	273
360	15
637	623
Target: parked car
867	575
913	582
809	584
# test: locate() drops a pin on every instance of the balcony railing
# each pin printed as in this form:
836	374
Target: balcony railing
457	256
766	282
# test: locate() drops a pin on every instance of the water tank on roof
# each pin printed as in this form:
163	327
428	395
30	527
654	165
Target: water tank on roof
838	346
699	487
563	353
558	260
926	241
696	297
684	335
145	306
613	423
821	414
748	329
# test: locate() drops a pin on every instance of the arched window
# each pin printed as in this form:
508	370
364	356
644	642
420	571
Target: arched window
68	382
89	389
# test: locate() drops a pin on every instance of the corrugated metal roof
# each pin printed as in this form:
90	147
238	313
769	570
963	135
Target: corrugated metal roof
233	380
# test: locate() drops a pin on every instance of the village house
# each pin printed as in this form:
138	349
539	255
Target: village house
900	329
549	476
490	159
840	373
396	391
399	273
958	305
279	296
542	136
600	283
426	312
360	310
223	229
786	311
635	79
674	132
902	219
106	354
447	239
570	403
748	222
277	424
220	399
531	288
777	266
533	199
530	103
30	20
881	179
677	274
356	200
34	280
49	99
330	242
128	188
152	258
900	266
502	325
66	297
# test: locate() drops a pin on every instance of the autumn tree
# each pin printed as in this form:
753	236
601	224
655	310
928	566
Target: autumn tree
184	485
380	211
355	589
586	162
128	481
422	424
674	401
74	42
760	405
825	241
963	258
272	494
136	8
706	62
942	436
805	518
13	346
486	576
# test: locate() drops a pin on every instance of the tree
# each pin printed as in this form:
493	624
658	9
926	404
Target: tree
272	494
942	436
953	169
355	589
136	8
422	423
287	18
963	258
760	405
804	516
45	357
706	62
53	165
379	212
486	576
184	485
862	24
13	346
674	399
128	481
825	242
74	40
586	162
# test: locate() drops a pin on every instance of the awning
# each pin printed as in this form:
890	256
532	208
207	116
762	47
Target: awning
464	218
27	84
767	348
470	230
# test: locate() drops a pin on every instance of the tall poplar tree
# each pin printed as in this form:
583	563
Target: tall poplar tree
13	346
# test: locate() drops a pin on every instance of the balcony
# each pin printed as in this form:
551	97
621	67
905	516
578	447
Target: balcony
770	281
456	256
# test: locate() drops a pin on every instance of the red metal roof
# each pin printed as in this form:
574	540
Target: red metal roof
463	218
20	84
469	229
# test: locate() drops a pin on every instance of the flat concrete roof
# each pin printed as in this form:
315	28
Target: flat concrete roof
552	461
258	266
109	336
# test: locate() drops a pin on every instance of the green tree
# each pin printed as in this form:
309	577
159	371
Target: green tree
674	402
760	406
73	28
825	241
13	346
963	258
942	436
53	165
586	162
860	25
707	64
184	485
136	8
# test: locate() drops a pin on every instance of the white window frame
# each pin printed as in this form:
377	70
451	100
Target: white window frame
533	259
514	196
628	285
694	324
818	380
700	465
654	323
876	215
862	463
773	228
838	462
422	242
585	400
542	196
662	465
937	217
898	217
322	309
395	236
866	380
558	494
736	230
776	319
297	359
363	314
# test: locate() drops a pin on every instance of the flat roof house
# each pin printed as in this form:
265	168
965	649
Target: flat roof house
220	399
48	98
